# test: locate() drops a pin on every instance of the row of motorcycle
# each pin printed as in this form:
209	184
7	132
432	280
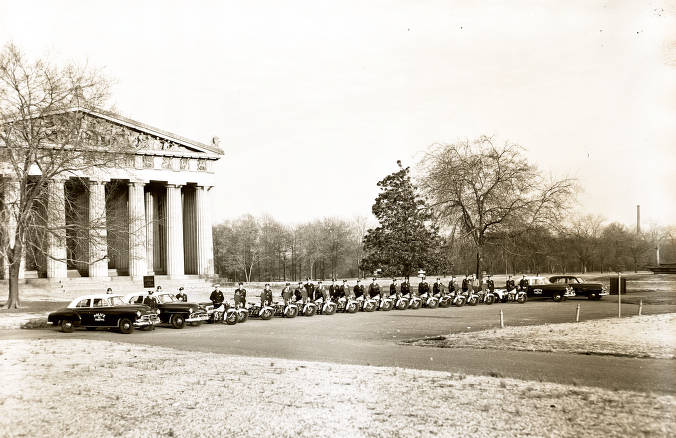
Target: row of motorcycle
223	313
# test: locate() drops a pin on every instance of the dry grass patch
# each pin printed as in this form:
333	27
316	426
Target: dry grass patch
651	336
75	387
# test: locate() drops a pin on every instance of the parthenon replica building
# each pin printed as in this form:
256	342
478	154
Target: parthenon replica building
152	204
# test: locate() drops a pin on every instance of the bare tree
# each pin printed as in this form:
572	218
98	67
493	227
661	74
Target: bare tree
486	188
46	138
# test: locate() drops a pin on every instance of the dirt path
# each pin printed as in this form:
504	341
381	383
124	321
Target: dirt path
93	388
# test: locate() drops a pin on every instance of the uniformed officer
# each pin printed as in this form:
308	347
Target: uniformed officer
510	285
436	287
374	289
310	289
266	295
300	293
358	289
150	300
158	289
465	283
523	283
490	284
216	296
394	289
109	290
346	291
333	290
423	287
320	291
470	284
240	296
452	286
286	293
405	287
181	295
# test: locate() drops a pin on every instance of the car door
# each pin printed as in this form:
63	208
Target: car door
84	310
100	313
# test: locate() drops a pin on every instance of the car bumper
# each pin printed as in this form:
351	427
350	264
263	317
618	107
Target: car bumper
197	317
603	294
147	320
569	294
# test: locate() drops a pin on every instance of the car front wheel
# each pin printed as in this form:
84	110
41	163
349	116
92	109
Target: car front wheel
592	296
67	326
126	326
231	318
557	297
177	321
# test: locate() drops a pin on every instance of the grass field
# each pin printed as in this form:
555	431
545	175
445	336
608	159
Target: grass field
639	336
76	387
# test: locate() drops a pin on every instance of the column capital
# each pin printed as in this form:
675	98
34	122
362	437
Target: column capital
137	183
174	186
98	181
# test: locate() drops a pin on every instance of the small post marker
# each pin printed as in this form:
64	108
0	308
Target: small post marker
619	295
577	313
502	319
640	307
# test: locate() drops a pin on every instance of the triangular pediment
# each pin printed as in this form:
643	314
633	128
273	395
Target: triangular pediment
109	128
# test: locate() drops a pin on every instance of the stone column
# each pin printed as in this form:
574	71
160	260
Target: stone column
189	231
150	224
56	230
11	200
205	246
137	231
98	235
174	232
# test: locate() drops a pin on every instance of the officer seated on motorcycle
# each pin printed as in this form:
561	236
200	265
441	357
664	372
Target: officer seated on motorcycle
437	288
423	288
287	294
523	283
359	291
300	294
374	290
406	287
266	296
490	284
510	285
394	289
346	291
240	296
320	291
465	284
452	286
216	296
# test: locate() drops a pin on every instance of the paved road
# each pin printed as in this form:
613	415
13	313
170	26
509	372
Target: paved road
371	339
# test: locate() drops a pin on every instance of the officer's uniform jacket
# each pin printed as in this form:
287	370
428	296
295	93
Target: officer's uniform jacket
216	297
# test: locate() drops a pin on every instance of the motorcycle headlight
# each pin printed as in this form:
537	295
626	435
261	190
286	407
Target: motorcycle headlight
157	311
138	313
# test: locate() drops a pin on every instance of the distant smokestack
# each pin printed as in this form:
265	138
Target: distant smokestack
638	219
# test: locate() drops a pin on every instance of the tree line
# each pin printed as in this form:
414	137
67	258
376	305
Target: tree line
253	248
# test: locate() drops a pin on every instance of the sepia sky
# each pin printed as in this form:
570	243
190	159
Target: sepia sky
315	101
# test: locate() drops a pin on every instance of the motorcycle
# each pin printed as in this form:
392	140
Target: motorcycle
472	298
287	311
400	303
325	308
347	306
486	297
429	301
262	312
307	309
385	304
367	304
445	300
520	296
221	313
413	301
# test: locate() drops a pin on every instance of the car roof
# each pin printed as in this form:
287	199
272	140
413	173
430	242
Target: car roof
91	297
145	294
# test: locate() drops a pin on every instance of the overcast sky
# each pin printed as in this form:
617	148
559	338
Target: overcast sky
315	101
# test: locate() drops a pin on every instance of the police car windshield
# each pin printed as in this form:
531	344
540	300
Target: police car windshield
166	298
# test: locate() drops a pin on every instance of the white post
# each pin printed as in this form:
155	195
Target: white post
640	307
577	313
502	319
619	295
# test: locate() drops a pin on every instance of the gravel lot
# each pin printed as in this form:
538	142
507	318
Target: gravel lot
638	336
95	388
